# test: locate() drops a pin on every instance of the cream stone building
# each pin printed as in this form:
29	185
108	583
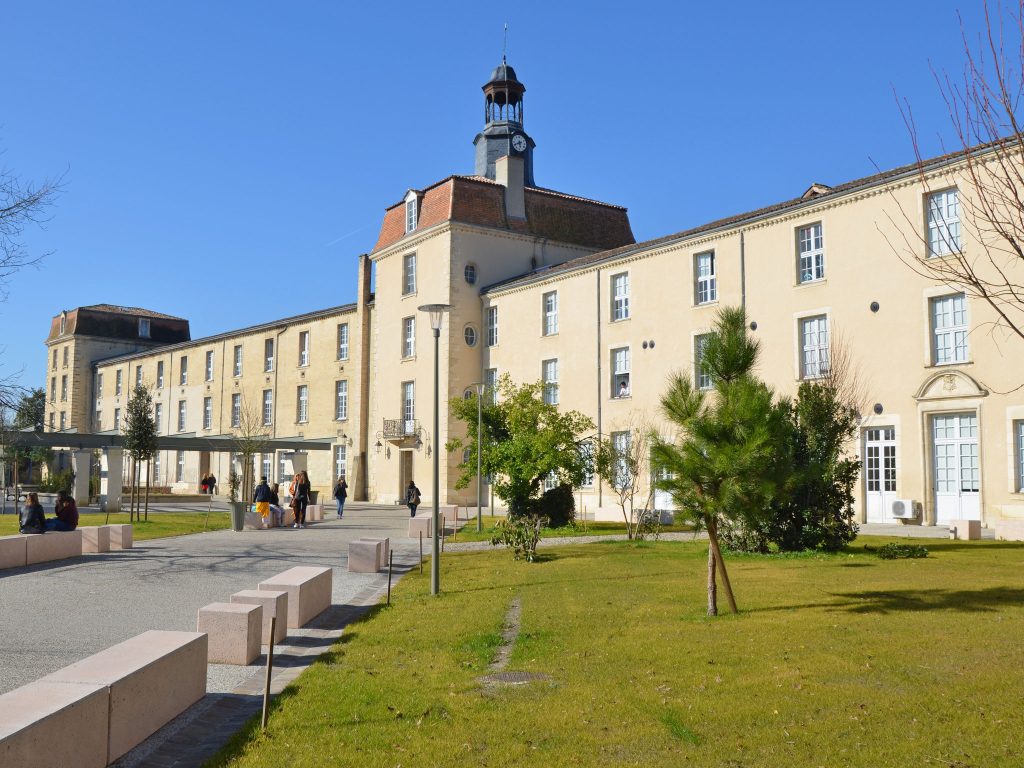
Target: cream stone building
550	286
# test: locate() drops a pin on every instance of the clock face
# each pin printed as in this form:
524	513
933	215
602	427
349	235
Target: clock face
519	143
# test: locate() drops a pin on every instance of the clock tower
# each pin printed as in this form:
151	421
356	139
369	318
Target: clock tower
503	133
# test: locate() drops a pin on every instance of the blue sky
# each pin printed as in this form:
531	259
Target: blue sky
227	162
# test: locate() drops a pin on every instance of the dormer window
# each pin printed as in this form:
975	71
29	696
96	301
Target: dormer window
143	327
63	322
412	205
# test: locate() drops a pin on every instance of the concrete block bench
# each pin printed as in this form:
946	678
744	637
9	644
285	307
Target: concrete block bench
95	538
54	545
254	521
273	604
151	679
46	724
309	592
120	536
420	524
13	551
385	549
447	513
965	530
1010	530
364	556
234	631
314	512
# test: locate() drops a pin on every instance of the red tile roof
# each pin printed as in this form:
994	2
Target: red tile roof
477	200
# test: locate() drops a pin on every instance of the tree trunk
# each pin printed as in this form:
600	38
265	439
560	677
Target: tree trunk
131	492
713	538
148	475
712	587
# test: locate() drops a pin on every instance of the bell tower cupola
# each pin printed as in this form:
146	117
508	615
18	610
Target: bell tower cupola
503	134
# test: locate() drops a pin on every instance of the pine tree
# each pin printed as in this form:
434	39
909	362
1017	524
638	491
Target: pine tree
139	437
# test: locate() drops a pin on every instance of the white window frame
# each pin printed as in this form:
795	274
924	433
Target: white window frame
236	410
182	415
620	368
341	400
118	384
409	274
99	386
549	375
343	341
549	303
492	326
1018	433
138	375
303	349
408	401
268	407
160	374
117	419
587	452
950	325
469	273
207	413
268	355
705	282
491	385
810	253
620	296
411	214
340	461
469	335
815	355
621	443
179	467
701	378
209	365
266	464
408	337
943	211
236	357
183	371
302	404
158	416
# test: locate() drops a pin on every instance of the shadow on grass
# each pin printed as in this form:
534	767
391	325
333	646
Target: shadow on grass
900	600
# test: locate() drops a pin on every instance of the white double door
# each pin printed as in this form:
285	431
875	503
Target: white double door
957	470
880	473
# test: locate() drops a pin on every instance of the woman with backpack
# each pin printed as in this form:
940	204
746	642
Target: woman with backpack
412	498
340	494
33	520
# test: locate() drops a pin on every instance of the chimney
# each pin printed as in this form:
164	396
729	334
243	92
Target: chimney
509	171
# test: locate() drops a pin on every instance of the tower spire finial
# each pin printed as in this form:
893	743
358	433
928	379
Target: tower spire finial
504	44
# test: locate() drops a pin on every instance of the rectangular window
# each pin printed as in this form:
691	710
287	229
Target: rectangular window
157	466
587	452
209	366
158	416
620	444
117	419
551	313
408	274
53	389
492	326
343	341
408	336
207	413
303	349
179	468
52	416
549	375
268	355
409	404
706	284
620	296
118	383
810	247
410	215
237	371
55	359
268	407
63	421
183	371
144	327
341	400
138	376
64	388
181	415
282	467
1019	434
701	376
949	329
943	222
236	410
65	358
302	404
340	461
620	372
814	357
266	462
99	386
98	420
491	385
160	375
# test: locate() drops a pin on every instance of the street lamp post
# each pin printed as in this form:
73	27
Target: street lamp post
478	387
436	312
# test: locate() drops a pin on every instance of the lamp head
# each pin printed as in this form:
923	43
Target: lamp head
436	312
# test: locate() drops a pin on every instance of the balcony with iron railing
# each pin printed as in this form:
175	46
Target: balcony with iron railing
401	429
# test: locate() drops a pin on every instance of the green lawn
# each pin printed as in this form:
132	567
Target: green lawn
469	533
159	525
843	660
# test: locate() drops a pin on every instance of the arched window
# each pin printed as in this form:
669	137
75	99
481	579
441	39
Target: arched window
470	273
470	335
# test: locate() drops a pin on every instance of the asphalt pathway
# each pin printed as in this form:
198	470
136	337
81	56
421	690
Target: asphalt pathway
54	614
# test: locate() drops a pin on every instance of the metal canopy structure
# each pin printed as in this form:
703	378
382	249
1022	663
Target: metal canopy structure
82	441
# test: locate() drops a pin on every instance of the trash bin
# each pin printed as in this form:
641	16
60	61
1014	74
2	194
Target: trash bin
237	515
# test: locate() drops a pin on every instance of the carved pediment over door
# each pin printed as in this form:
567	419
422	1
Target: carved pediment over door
949	384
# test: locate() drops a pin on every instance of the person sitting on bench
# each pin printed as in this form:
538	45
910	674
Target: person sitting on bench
32	518
66	511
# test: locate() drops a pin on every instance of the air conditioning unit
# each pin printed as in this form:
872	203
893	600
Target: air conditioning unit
905	509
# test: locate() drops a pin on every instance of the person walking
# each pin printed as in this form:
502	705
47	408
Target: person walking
204	484
412	498
66	511
300	498
32	518
211	484
340	494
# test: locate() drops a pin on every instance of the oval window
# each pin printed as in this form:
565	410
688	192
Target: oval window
470	335
470	273
467	395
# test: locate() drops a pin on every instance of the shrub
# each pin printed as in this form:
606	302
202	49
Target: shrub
895	551
58	481
520	534
558	505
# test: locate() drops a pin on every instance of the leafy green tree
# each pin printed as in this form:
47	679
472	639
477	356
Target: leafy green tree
525	441
139	438
730	458
29	413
